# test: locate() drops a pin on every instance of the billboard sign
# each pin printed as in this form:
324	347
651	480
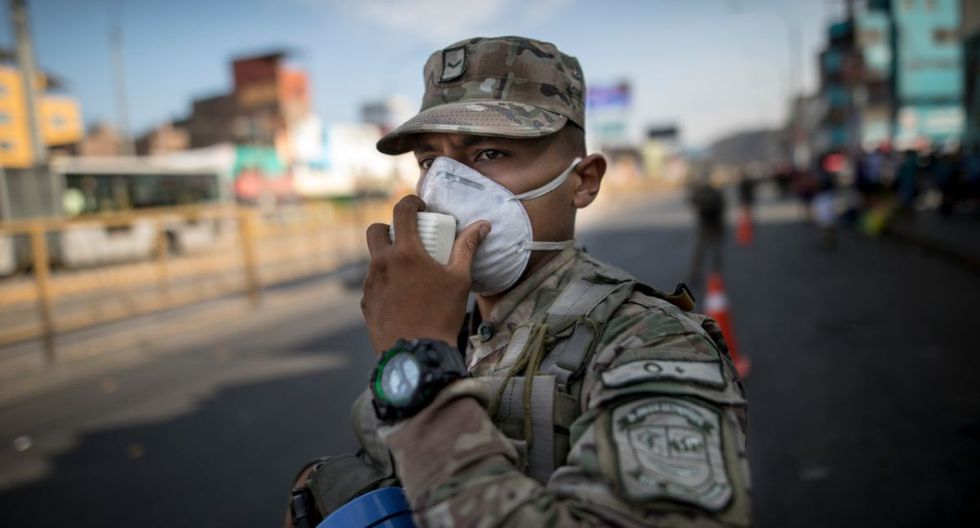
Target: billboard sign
937	124
928	51
609	110
608	96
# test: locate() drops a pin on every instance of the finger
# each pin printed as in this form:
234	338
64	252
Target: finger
377	238
406	221
466	244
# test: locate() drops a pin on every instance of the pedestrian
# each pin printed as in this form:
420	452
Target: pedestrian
825	199
783	177
946	177
970	189
708	202
745	186
907	181
806	185
867	181
573	395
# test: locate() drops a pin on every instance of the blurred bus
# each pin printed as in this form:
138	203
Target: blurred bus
89	187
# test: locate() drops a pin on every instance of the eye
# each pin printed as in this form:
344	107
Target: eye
425	163
489	155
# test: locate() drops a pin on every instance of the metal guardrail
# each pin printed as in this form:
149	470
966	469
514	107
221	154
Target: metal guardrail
255	250
250	250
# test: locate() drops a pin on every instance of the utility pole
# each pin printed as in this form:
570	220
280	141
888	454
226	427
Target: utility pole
119	72
43	193
28	70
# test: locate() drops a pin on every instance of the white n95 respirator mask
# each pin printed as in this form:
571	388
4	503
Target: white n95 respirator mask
453	188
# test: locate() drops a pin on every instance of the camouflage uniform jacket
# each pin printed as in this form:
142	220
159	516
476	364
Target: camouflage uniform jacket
659	441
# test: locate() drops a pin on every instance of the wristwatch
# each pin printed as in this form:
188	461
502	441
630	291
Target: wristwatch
410	374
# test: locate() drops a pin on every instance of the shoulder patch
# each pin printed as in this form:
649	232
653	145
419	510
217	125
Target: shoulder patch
453	64
671	449
702	372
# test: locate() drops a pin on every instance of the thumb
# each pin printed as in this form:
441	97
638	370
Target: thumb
466	244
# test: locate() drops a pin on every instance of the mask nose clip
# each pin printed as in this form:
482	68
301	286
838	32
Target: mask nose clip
450	177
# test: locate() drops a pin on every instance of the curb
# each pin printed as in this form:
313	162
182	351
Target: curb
110	351
909	236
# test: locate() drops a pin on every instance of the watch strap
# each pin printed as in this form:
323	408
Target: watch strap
440	364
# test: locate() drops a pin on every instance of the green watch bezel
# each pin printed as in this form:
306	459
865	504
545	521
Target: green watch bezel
439	364
379	391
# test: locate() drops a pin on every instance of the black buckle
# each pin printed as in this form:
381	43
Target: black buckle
303	509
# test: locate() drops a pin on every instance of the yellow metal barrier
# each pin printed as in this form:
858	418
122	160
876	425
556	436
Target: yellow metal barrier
263	249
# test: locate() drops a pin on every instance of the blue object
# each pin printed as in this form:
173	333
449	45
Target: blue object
383	508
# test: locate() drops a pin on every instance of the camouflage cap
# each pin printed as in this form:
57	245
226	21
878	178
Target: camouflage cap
502	86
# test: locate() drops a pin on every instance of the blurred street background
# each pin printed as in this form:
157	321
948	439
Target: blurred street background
184	189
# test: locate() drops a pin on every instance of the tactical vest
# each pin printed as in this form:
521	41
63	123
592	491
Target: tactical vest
556	346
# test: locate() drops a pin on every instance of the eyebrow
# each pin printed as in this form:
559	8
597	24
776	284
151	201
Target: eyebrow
468	141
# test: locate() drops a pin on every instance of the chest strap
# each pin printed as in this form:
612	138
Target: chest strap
573	308
514	408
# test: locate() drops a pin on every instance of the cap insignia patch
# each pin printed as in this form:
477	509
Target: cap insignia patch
453	64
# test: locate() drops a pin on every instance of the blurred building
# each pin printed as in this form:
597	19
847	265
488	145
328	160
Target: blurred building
270	97
346	163
928	72
874	95
168	137
267	97
389	113
659	152
802	135
268	108
268	142
840	79
211	120
59	118
971	75
764	146
892	72
101	139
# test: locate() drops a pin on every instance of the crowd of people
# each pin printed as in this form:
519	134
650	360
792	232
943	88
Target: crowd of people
950	175
867	190
947	180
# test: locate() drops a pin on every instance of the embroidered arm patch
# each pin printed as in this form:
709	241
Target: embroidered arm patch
670	449
701	372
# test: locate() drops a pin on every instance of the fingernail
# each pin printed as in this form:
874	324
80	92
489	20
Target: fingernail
484	230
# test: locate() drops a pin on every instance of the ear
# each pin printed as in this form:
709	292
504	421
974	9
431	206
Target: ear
590	172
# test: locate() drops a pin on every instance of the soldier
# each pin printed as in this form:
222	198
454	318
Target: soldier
574	394
708	201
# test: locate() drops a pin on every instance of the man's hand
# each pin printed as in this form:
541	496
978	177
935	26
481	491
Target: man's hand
407	293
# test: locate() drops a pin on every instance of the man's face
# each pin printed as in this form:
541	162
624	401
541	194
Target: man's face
520	165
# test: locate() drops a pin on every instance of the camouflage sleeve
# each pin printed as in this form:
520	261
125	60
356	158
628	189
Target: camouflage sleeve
660	442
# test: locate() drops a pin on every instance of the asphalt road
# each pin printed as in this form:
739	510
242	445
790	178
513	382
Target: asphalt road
864	402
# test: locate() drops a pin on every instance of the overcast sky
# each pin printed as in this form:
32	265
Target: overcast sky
710	66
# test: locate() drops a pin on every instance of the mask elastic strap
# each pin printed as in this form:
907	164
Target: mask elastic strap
547	246
548	187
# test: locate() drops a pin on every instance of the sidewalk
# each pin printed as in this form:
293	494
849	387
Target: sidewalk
94	352
956	237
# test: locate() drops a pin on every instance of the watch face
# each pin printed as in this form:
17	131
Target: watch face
400	377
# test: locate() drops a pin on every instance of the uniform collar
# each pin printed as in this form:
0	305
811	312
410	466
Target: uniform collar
491	334
505	306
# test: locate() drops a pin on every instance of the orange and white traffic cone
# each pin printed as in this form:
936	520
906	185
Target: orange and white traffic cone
743	228
716	307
